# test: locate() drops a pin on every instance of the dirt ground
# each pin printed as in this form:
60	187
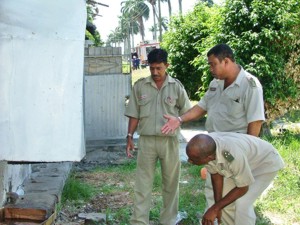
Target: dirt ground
68	215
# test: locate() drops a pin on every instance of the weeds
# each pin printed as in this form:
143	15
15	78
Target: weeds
112	188
76	190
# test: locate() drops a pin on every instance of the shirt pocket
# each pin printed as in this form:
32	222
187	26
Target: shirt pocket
145	106
170	105
235	107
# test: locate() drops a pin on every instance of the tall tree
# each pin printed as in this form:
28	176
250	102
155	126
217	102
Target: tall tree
180	6
153	4
137	10
188	36
170	9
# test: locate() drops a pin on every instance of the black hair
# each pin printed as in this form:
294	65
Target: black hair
203	143
221	51
158	55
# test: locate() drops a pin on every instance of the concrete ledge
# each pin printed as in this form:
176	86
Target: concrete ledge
42	191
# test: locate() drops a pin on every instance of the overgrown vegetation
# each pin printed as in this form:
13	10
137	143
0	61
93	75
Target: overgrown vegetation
110	190
187	37
264	36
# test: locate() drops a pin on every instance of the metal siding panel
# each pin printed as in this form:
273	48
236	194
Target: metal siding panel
105	106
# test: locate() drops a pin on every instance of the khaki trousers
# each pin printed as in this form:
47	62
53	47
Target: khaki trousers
150	150
242	211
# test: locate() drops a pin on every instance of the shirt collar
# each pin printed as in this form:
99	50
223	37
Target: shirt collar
240	77
237	81
168	79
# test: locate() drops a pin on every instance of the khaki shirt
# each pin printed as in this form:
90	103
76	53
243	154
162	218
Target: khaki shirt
148	104
242	157
235	107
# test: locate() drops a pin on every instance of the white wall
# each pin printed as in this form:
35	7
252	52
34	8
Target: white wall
41	85
41	80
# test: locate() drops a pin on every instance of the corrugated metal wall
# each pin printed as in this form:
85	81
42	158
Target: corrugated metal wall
106	89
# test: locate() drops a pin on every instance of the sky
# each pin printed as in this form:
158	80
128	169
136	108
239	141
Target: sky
109	16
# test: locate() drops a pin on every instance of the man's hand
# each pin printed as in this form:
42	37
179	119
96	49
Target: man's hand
171	125
211	215
129	147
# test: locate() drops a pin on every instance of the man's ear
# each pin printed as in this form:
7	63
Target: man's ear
226	60
211	157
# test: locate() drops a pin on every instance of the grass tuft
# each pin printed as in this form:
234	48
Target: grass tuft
75	190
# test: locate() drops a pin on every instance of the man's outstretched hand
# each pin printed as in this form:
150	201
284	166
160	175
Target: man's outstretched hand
171	125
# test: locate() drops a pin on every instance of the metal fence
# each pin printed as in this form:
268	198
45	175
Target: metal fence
107	84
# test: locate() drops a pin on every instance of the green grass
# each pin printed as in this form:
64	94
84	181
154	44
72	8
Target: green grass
284	198
77	191
282	201
125	67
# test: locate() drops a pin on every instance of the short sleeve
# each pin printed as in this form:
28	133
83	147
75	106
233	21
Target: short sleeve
132	109
254	104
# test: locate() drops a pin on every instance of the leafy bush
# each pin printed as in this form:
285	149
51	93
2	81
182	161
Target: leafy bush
188	37
264	35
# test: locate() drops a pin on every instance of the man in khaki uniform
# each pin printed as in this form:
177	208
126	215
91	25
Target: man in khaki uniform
151	98
232	103
251	162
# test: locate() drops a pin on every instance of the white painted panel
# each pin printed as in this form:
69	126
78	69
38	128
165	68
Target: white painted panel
41	80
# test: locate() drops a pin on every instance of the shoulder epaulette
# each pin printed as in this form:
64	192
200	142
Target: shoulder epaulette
178	81
140	79
227	156
251	81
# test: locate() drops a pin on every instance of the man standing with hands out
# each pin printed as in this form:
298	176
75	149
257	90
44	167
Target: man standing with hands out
151	98
233	103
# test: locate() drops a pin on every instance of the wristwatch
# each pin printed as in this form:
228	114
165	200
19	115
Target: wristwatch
129	135
180	120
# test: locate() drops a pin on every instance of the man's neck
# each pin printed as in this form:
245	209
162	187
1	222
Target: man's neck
233	75
160	83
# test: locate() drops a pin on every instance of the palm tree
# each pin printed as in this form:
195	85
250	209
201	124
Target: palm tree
153	29
180	6
161	21
128	26
136	10
170	9
115	37
153	4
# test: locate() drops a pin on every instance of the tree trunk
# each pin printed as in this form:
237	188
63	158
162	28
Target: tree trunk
154	23
170	9
180	6
132	35
142	28
159	19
